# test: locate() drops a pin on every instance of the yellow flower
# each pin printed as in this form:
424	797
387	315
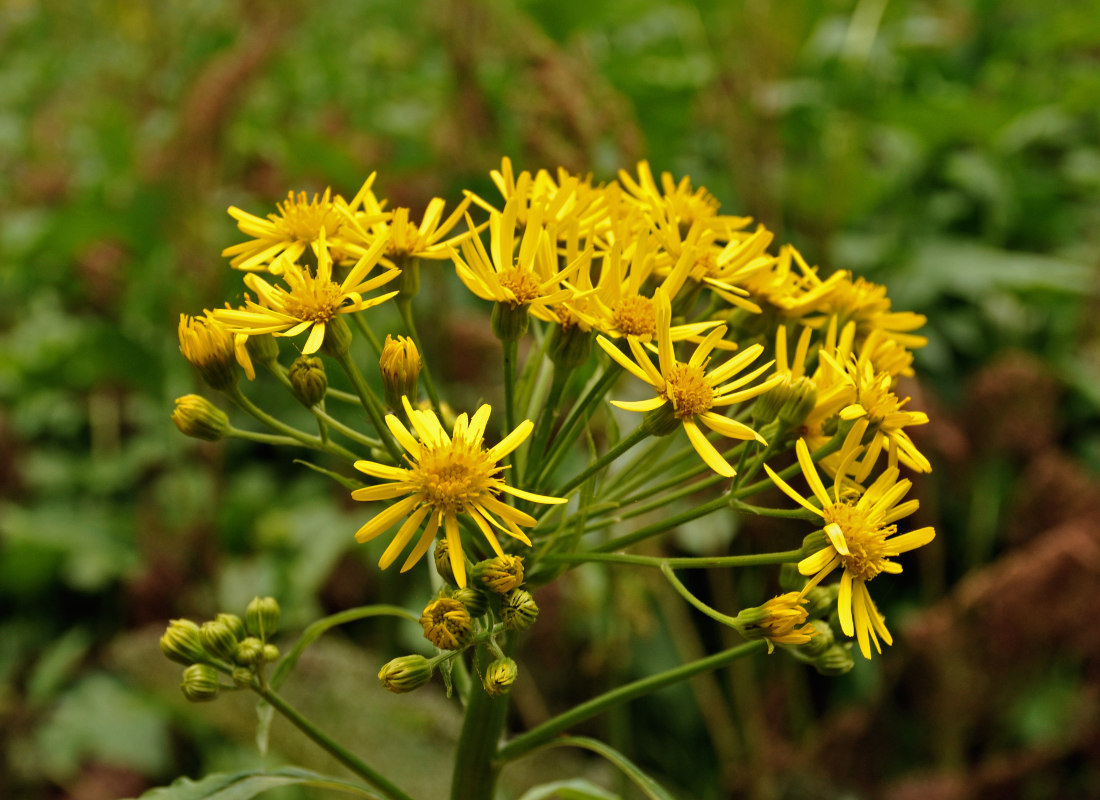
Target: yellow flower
778	621
300	223
678	203
867	305
404	238
862	536
312	300
687	391
447	475
530	279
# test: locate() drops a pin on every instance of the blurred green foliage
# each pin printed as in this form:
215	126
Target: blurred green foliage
947	148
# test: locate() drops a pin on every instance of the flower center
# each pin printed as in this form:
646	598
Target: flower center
687	391
636	316
875	396
521	283
452	477
315	301
302	220
866	541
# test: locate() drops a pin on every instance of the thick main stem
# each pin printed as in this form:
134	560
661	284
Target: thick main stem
475	772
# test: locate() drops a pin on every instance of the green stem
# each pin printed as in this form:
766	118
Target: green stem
682	590
263	438
753	560
511	348
546	417
333	747
280	374
237	396
577	415
365	329
625	444
828	448
370	404
404	307
547	730
663	525
475	769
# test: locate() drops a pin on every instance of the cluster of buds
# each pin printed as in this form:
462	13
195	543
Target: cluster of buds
226	644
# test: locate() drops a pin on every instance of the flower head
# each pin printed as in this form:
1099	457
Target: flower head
780	620
861	533
687	391
312	300
448	475
211	349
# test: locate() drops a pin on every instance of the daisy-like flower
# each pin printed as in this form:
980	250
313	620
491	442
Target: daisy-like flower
404	238
447	475
687	391
312	301
300	223
679	203
530	279
862	535
781	620
867	305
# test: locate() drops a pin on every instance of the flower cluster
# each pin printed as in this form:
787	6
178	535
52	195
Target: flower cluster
739	343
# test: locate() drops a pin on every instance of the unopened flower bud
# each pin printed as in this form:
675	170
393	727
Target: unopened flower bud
821	640
789	402
519	611
261	618
208	346
400	366
509	322
662	421
200	683
570	346
501	574
308	380
814	542
405	674
262	347
218	638
234	623
778	621
836	660
499	677
337	339
442	558
242	676
197	417
473	598
182	643
820	600
250	652
447	623
271	653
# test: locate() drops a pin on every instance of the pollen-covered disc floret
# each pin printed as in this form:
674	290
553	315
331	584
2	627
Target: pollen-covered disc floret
861	533
687	390
448	475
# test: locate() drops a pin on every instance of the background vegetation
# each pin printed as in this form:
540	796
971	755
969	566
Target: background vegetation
948	148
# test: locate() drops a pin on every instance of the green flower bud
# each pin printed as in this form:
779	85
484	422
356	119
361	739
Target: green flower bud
662	421
337	337
473	598
308	380
262	348
218	638
820	600
200	683
442	559
499	677
197	417
261	618
400	366
250	652
789	402
814	542
271	653
405	674
501	574
519	610
234	623
242	676
509	322
821	640
182	643
447	624
570	346
836	660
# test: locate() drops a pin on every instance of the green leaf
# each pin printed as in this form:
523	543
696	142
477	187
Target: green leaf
572	789
245	785
649	787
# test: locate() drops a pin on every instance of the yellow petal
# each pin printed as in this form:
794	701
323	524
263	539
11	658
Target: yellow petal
708	452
